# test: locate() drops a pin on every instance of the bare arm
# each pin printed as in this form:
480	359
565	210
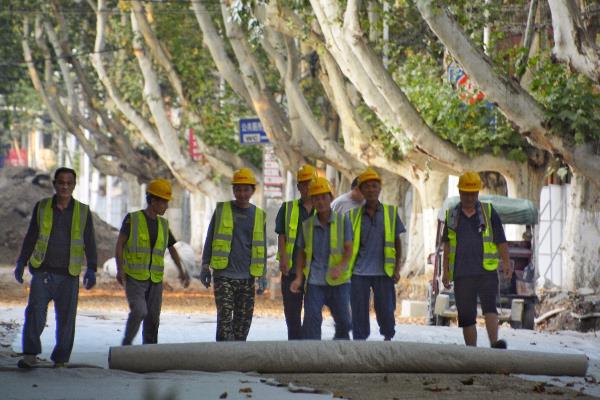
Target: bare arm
119	257
347	254
505	257
284	262
300	259
398	245
445	265
183	275
89	238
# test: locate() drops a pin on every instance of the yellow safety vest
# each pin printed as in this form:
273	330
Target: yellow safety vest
143	262
223	235
490	250
389	247
291	212
78	221
336	248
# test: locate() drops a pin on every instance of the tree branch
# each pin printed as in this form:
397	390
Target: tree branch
516	103
572	43
158	51
528	38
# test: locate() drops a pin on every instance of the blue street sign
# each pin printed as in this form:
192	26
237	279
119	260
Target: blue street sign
252	132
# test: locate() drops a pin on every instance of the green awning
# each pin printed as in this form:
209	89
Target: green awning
511	210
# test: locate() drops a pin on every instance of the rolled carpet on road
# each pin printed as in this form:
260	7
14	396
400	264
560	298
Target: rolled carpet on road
342	357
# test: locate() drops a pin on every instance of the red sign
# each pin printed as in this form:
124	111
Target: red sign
193	147
16	159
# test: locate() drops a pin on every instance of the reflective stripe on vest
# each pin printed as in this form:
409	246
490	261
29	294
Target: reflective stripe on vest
336	248
143	262
292	215
223	236
490	250
389	226
76	250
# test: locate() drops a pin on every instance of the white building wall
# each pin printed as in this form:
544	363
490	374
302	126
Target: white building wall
553	213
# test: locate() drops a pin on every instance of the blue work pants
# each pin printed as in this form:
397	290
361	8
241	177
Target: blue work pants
384	299
292	307
64	291
337	298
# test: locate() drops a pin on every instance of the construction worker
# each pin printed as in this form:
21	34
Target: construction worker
324	252
60	232
349	200
290	217
376	259
473	237
235	250
140	250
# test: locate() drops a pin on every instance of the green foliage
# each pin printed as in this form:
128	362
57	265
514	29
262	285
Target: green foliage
217	106
406	29
391	147
571	100
18	101
469	126
474	15
121	64
213	109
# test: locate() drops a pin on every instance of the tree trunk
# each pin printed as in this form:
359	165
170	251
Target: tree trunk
395	191
493	183
428	197
527	184
414	252
201	208
572	42
581	244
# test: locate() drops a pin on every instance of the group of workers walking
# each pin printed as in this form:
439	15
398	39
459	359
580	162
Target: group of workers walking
330	254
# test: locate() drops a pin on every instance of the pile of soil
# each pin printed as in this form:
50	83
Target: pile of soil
20	189
395	386
562	310
413	288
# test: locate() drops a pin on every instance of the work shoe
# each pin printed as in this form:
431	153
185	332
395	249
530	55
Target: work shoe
500	344
60	365
28	361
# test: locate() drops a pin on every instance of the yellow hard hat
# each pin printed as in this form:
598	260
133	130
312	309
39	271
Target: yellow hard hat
243	176
160	188
306	173
469	182
319	185
369	174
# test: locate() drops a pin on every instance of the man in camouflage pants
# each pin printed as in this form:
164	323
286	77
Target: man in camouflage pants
236	315
235	251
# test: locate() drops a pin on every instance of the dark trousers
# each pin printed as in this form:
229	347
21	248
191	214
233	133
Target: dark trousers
64	291
384	299
145	302
292	307
466	291
337	298
235	306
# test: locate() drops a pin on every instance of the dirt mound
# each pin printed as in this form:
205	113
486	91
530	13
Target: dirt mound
20	189
577	311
